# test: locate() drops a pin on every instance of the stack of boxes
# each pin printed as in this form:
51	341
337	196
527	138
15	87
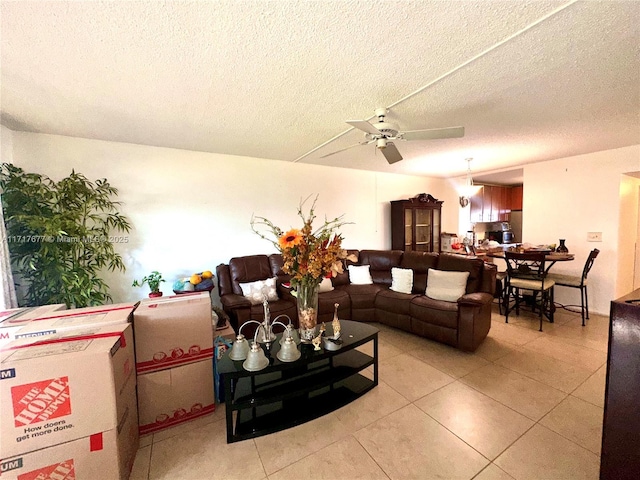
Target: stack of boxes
69	403
68	396
174	360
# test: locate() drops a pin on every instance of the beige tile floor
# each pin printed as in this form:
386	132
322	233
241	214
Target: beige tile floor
525	405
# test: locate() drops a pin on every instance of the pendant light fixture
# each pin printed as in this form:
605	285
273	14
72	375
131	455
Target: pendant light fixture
468	189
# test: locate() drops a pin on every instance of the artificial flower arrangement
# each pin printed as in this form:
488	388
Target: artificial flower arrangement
309	255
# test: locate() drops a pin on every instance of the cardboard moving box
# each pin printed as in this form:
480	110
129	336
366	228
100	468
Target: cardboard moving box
172	331
54	390
31	312
169	397
106	456
78	322
14	319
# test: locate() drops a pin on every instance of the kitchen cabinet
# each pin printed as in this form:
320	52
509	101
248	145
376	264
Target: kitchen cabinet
475	203
415	224
516	198
487	205
491	204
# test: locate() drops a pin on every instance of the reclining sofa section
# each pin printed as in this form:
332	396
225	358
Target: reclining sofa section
463	324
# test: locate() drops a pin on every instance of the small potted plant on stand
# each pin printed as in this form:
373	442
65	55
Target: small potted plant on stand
153	280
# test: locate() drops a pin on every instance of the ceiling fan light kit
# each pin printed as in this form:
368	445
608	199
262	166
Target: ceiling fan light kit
382	132
468	189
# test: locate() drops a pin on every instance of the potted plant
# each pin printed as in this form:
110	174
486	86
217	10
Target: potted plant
153	280
63	236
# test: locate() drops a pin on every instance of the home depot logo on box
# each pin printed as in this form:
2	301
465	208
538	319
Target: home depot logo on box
41	401
58	471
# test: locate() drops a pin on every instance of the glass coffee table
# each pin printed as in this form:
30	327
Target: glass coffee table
285	394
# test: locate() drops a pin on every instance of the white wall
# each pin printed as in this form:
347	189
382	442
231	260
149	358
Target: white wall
190	211
6	145
569	197
628	229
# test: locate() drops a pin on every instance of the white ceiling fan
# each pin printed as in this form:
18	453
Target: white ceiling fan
383	132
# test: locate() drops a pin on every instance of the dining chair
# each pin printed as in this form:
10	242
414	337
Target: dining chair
526	271
576	281
501	278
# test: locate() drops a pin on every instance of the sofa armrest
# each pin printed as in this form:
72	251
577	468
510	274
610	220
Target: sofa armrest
232	301
474	319
476	299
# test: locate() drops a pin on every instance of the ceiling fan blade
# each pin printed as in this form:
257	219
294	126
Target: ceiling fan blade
434	133
347	148
364	126
391	153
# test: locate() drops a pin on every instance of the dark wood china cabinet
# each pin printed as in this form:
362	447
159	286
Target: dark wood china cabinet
415	224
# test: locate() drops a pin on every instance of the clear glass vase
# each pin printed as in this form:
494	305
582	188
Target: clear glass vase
307	300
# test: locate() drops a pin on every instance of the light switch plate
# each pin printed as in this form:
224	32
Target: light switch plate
594	236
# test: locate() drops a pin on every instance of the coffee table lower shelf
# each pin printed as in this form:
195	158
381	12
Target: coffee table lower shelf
296	411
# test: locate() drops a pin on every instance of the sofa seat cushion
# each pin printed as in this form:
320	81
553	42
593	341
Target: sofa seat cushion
437	312
326	305
395	302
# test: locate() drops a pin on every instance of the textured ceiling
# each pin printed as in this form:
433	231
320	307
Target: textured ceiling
529	80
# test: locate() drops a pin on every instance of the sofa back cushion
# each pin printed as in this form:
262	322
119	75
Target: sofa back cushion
459	263
277	262
248	269
381	262
420	263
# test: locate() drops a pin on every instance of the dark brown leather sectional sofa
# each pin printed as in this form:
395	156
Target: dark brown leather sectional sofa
463	324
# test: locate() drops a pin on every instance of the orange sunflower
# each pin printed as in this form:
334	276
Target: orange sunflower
290	239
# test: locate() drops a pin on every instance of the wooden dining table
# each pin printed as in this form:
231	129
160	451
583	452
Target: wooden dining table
550	258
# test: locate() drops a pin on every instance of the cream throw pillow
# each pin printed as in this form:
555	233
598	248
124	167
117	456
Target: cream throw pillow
401	280
447	286
325	285
255	291
360	275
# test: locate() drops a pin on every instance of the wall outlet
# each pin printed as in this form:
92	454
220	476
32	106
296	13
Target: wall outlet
594	236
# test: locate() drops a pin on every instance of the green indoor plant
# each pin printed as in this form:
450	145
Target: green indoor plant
61	236
153	280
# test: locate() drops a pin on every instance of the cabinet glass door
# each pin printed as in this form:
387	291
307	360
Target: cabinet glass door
423	230
436	228
408	229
